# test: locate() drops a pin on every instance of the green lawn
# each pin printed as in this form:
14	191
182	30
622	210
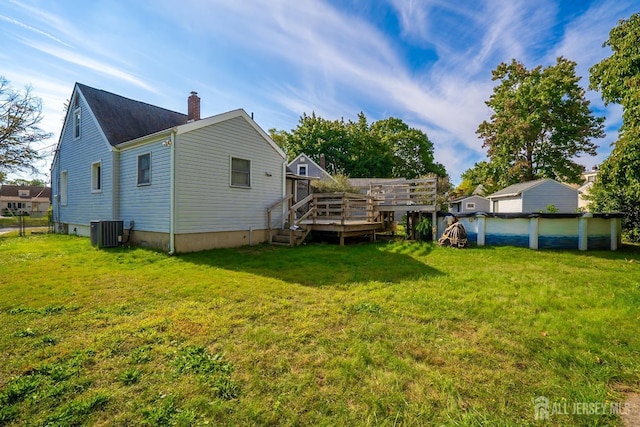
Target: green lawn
29	221
393	333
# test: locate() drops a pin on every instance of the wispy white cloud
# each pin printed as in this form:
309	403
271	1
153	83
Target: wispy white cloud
90	63
35	30
582	42
328	54
583	37
286	57
53	22
414	17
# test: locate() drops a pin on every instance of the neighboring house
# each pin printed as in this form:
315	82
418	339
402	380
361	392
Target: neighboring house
469	204
535	196
588	177
298	186
303	165
21	199
183	183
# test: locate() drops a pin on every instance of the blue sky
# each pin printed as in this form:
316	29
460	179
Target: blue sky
427	62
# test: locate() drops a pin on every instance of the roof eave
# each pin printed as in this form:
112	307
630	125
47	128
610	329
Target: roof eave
145	139
500	196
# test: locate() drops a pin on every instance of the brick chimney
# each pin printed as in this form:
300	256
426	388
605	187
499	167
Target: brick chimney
193	107
322	161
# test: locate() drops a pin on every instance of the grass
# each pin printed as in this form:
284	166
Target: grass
394	333
14	222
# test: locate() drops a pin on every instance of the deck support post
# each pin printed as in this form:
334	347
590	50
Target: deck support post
434	226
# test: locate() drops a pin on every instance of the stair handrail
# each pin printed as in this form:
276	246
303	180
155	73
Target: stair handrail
280	202
302	202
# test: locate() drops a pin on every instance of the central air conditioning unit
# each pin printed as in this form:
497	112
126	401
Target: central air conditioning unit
106	234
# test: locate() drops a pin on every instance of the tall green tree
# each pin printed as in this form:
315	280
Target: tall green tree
617	77
314	136
387	148
411	149
369	154
541	121
482	173
20	116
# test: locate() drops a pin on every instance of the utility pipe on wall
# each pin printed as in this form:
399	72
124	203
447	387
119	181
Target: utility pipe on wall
172	195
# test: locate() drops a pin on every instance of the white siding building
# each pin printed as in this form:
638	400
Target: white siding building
535	196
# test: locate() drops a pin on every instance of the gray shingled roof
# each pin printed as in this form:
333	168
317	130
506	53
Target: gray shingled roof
123	119
516	189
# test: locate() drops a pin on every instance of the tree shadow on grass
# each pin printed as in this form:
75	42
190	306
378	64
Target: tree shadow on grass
324	264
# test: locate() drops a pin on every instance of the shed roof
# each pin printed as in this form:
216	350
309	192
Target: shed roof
123	119
517	189
462	198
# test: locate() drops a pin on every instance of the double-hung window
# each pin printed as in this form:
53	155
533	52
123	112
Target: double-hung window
76	123
96	177
63	188
144	169
240	172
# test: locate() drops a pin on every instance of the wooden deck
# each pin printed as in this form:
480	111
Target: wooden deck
348	214
347	228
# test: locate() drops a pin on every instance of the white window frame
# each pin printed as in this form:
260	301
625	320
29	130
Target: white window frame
306	170
470	205
96	177
231	171
64	179
148	182
77	123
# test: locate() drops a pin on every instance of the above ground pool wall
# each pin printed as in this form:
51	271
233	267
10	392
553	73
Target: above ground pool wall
540	230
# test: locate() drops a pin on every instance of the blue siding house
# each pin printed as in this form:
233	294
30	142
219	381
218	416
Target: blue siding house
469	204
304	165
181	183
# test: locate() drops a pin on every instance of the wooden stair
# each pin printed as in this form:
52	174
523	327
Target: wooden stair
288	237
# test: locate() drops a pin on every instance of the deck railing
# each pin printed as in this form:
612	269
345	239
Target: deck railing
342	207
405	193
277	210
377	206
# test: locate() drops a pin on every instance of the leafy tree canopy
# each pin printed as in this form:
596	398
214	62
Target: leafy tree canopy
541	121
20	115
27	182
482	173
387	148
617	77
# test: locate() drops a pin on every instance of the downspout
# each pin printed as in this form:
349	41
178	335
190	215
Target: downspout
115	184
172	195
284	213
55	210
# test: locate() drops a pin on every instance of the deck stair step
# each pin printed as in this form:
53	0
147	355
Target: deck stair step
282	236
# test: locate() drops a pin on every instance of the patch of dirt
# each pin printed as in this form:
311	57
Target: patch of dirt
631	413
